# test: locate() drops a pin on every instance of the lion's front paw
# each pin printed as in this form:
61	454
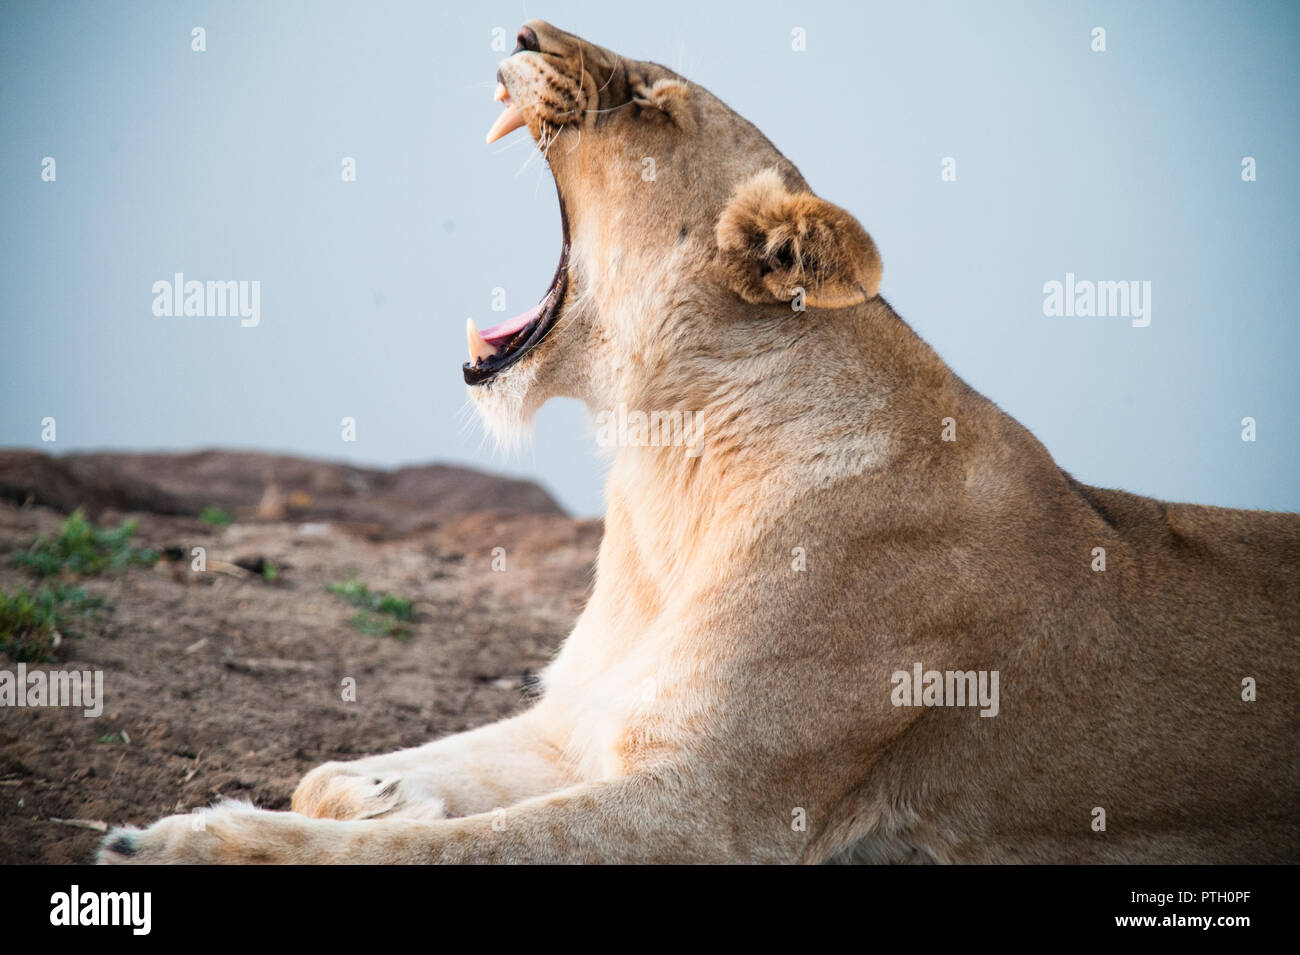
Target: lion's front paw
229	833
174	840
343	791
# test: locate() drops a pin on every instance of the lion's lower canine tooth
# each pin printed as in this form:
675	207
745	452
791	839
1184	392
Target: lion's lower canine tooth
478	346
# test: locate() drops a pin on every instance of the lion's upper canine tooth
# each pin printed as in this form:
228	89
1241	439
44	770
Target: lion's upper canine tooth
507	122
502	93
478	347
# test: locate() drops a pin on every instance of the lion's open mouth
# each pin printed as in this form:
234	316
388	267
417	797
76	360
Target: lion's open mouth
494	349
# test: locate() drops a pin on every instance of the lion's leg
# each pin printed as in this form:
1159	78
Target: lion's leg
625	820
496	765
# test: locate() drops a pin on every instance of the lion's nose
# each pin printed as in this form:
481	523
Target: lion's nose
527	40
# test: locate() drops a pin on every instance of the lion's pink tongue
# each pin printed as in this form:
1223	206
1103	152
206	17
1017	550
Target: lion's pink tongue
508	329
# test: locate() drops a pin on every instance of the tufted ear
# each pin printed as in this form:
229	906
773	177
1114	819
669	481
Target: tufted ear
773	242
668	99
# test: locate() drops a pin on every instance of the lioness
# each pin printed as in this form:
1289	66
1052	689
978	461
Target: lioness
788	606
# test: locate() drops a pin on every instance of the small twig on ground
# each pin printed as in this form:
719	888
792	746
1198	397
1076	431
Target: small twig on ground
95	824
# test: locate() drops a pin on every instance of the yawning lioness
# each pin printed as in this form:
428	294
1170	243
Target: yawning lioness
861	615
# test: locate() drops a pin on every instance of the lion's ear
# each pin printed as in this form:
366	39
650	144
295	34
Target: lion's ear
773	242
667	98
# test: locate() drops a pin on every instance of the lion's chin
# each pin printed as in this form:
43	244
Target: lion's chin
507	404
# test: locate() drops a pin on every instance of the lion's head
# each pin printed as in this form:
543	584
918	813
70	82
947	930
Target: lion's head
691	247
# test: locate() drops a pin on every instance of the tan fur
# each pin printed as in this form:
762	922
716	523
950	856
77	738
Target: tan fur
713	693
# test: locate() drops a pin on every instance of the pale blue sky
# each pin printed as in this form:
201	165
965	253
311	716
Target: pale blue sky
225	165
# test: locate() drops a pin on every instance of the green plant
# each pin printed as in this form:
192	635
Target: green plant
83	549
32	621
29	621
215	516
358	594
380	612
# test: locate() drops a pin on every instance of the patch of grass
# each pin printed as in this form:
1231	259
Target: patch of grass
358	594
83	549
216	517
33	620
29	620
382	614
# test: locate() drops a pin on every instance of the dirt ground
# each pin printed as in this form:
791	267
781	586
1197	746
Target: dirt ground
223	684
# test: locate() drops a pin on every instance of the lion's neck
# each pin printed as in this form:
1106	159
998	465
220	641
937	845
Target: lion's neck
852	405
703	465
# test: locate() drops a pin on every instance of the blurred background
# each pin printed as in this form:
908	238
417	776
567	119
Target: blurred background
226	165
